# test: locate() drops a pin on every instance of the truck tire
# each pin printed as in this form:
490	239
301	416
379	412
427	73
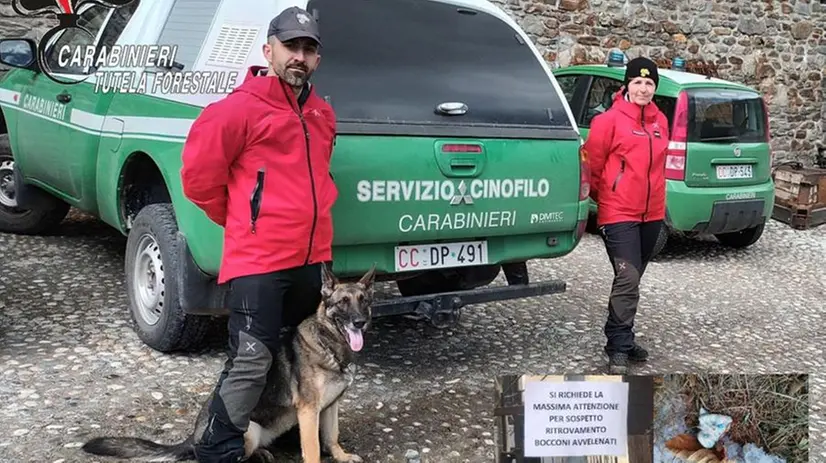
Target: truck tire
741	239
14	219
151	264
448	280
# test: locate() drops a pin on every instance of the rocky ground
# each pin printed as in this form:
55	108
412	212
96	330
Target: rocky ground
72	367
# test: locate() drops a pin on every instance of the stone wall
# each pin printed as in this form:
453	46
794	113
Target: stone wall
778	47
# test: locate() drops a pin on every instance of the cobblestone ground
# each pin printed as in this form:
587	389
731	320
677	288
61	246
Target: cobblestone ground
71	367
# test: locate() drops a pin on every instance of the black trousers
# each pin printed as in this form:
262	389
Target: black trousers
629	246
260	305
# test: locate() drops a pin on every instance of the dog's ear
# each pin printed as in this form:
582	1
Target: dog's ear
328	281
369	277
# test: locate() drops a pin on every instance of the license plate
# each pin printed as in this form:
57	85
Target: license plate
442	255
736	171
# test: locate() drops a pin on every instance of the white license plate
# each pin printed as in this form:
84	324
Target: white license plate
443	255
736	171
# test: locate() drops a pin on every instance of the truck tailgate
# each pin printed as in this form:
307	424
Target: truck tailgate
426	189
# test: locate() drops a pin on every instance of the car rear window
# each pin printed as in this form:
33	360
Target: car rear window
393	61
725	116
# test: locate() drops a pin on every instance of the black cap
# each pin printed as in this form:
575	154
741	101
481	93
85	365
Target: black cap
641	67
293	23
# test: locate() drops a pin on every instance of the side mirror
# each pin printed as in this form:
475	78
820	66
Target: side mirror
19	53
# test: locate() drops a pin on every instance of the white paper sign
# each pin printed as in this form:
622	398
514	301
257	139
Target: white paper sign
576	418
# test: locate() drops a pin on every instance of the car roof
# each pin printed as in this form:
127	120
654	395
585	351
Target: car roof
677	79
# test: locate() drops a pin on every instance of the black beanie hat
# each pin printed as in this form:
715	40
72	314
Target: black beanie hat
641	67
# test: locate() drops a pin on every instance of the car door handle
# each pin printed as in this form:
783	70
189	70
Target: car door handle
64	97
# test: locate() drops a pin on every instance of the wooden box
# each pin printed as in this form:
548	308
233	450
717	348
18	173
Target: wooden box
800	196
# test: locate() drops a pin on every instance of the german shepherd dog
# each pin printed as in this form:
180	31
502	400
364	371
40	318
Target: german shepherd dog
310	374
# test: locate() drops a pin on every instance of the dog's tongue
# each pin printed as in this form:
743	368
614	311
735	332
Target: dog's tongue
355	339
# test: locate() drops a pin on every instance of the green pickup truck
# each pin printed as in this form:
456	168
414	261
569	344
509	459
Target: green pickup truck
456	151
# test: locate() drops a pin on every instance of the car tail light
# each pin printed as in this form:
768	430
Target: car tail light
677	146
584	174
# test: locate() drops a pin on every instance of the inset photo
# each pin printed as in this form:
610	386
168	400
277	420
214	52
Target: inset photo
574	419
731	418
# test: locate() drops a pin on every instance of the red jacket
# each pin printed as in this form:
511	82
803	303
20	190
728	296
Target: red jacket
255	139
626	148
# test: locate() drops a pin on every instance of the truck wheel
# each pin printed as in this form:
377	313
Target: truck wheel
741	239
14	219
151	265
448	280
662	240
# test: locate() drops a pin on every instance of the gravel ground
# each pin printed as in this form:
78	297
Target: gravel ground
72	367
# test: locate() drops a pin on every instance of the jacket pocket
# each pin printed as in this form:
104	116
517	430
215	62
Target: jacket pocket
619	176
256	198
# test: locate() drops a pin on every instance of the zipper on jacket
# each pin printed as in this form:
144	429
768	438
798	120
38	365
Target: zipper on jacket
255	199
619	175
650	162
312	184
298	108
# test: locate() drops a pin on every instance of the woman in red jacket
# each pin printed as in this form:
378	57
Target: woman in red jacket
627	147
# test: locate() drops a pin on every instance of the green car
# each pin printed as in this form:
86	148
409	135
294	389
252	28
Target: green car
456	151
718	167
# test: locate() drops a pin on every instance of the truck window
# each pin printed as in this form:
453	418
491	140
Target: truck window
187	27
117	23
91	19
725	116
396	60
94	18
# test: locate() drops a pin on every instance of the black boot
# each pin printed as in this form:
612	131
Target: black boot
638	354
220	443
618	363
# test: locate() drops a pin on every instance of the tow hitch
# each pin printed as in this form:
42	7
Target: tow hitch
442	312
443	309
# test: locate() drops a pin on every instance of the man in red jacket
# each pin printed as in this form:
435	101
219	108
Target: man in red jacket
627	146
258	163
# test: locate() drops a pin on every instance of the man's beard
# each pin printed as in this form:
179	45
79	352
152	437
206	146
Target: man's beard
295	75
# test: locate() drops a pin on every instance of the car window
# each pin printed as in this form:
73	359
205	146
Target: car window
724	116
396	60
600	97
568	85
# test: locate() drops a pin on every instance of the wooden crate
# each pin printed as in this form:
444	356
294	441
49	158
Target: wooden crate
800	196
800	186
